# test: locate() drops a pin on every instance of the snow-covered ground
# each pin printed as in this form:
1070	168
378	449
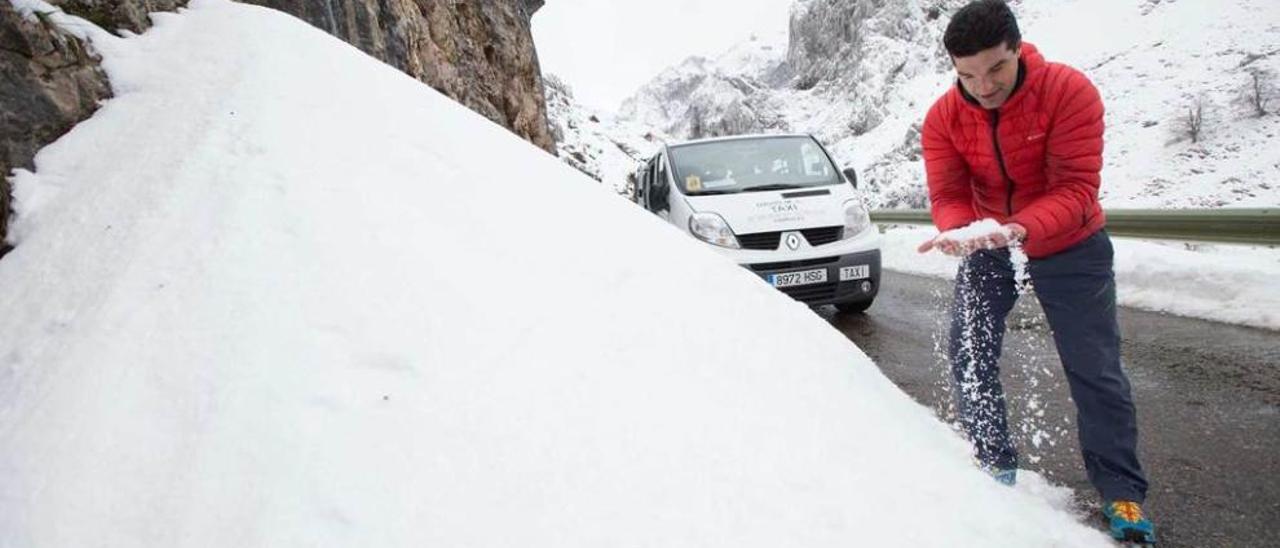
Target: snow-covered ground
1225	283
276	293
1153	60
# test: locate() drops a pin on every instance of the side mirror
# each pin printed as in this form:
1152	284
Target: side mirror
851	175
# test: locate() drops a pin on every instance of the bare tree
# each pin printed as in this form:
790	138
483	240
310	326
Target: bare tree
1194	120
697	126
1257	95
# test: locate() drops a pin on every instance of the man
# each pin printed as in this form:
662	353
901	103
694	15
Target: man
1019	140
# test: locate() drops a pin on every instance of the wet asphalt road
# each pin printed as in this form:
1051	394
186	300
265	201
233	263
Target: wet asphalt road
1208	398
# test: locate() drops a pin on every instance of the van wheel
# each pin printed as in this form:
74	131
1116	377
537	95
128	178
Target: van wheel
855	307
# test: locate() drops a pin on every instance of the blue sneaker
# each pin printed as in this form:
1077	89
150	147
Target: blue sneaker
1128	524
1007	476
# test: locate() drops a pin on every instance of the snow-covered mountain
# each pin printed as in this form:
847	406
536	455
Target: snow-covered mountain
723	96
608	146
860	76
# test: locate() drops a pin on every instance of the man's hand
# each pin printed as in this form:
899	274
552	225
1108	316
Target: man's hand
946	245
1007	234
958	248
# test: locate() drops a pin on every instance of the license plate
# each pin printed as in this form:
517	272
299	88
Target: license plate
859	272
803	277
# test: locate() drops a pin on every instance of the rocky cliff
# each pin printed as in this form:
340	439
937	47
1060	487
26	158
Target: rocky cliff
51	79
479	53
118	15
860	51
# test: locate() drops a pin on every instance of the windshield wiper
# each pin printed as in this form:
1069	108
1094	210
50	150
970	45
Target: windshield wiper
713	192
776	186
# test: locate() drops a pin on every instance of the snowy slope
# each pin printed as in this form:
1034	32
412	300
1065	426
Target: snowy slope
243	313
1152	60
599	144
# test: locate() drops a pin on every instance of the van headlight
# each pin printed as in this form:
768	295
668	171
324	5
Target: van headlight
856	218
712	229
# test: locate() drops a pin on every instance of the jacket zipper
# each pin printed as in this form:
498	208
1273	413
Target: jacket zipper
1008	181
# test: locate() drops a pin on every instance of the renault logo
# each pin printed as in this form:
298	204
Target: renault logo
793	241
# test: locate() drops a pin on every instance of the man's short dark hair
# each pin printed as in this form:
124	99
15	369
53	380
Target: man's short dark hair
983	24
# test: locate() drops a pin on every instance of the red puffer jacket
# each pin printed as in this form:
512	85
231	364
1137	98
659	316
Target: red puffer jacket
1035	161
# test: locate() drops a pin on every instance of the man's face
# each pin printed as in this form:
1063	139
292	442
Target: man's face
989	75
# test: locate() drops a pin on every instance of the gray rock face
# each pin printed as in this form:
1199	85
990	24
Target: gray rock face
51	80
117	15
481	54
531	6
864	47
831	38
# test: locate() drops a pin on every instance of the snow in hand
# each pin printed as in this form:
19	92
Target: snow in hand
276	293
986	228
977	229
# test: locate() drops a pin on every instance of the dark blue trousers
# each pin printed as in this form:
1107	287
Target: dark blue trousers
1077	291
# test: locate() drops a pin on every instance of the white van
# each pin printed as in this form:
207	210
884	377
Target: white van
775	204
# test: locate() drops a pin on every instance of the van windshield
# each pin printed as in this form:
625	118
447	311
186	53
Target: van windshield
754	164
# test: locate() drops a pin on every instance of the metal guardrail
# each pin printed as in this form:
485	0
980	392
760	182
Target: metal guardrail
1237	226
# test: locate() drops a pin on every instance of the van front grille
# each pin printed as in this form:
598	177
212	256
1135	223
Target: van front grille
823	235
811	293
769	240
786	265
760	240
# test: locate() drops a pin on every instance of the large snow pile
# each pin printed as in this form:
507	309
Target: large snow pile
863	76
276	293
